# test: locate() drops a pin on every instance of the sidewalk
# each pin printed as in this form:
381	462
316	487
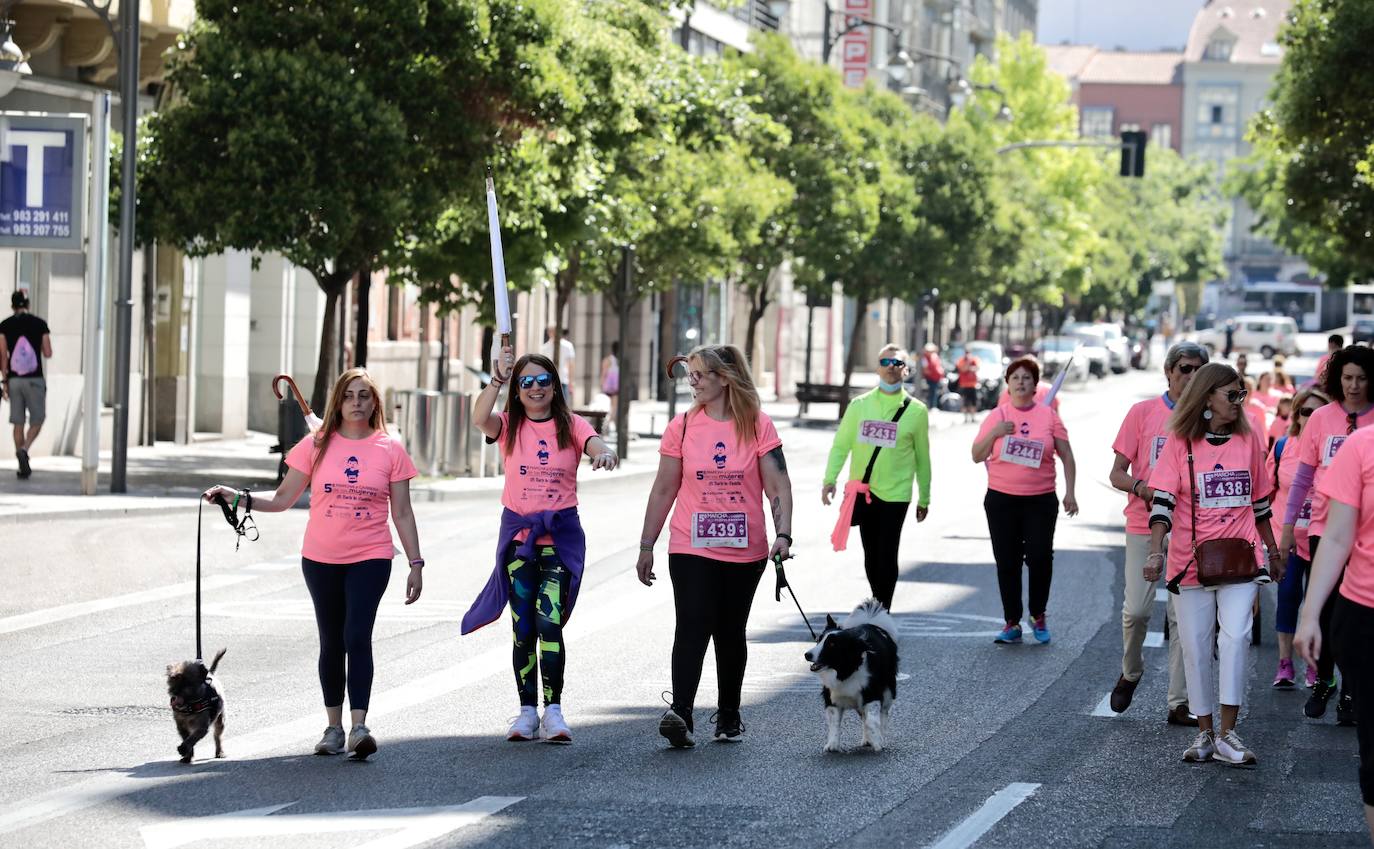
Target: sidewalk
165	478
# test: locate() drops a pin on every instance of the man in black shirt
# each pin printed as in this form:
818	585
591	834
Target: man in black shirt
24	344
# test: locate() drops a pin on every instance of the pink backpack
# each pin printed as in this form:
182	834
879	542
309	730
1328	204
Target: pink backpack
24	360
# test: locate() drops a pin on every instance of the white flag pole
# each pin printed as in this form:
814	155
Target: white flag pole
498	265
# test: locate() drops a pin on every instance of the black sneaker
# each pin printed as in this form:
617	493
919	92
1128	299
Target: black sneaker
24	468
729	727
1345	709
676	725
1321	694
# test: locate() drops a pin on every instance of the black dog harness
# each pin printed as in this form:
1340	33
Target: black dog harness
199	706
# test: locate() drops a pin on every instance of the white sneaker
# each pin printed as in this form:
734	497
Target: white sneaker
332	743
361	743
525	726
1230	750
553	728
1202	749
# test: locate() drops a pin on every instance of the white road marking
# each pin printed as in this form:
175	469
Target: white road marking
416	825
966	833
1154	639
39	618
67	800
1104	707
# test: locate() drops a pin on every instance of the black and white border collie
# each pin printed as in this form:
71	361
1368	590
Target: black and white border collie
857	666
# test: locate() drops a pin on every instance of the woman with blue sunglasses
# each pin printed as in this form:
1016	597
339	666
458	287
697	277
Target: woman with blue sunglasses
541	547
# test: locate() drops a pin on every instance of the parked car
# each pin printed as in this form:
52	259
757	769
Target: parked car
1092	349
1057	352
1111	338
991	363
1362	331
1267	334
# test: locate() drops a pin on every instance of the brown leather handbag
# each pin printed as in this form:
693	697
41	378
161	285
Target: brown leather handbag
1229	560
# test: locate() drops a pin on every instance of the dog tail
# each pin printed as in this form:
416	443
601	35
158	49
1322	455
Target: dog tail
215	663
872	612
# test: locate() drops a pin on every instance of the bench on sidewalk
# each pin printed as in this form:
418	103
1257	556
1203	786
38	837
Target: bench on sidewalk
596	418
825	393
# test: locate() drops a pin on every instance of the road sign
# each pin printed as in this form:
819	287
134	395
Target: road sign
42	181
410	826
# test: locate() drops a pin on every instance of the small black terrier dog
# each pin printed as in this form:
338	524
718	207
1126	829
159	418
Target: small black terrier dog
197	703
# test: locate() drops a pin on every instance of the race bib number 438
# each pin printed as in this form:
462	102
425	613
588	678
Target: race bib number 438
1224	488
720	530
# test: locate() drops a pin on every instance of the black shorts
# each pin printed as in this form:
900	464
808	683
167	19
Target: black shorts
970	395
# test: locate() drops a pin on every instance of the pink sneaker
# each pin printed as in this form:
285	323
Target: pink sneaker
1283	679
1309	679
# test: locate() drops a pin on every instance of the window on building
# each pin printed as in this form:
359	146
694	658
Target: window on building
1217	112
1097	121
1128	128
1162	135
1219	50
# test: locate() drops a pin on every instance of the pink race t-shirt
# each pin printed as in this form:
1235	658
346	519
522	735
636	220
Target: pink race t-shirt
1350	480
1279	428
719	511
1141	438
1229	478
350	495
1325	433
540	475
1023	463
1259	419
1288	469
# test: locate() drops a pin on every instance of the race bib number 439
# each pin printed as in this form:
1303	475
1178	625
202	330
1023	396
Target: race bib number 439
1023	452
1224	488
878	433
720	530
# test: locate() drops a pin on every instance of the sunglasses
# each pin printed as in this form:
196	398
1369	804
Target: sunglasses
527	381
889	362
1307	411
1187	368
1236	396
1351	422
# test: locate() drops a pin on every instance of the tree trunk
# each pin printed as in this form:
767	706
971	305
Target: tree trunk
758	305
327	368
856	342
564	283
364	299
628	369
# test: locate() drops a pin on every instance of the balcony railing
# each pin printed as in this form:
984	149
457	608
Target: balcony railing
755	13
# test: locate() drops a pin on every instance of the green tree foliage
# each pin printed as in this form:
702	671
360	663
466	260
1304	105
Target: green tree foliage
1311	175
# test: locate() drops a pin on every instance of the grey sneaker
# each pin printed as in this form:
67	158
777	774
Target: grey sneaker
1202	749
360	743
1230	750
332	743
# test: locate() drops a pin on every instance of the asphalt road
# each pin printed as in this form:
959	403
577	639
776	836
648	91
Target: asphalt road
992	746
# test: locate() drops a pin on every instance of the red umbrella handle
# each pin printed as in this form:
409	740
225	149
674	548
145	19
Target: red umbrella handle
295	390
668	367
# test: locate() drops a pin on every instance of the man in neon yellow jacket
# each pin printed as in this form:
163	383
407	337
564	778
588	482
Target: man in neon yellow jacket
878	504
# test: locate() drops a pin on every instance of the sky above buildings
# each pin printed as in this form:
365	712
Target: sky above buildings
1132	24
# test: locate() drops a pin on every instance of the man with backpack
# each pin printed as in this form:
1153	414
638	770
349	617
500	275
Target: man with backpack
24	343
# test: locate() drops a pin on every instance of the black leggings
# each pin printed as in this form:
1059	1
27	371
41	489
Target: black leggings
880	528
1326	661
346	597
1352	626
1022	530
712	600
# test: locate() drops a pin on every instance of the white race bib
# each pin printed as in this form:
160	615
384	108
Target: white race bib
1022	452
1156	449
1223	488
720	530
1304	515
1330	447
880	434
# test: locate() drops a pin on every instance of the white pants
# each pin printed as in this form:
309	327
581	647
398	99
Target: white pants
1200	610
1136	606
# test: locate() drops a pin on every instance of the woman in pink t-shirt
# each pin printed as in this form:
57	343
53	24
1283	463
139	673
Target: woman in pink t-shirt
1211	482
541	548
357	474
1018	443
1343	571
1283	460
1347	381
717	462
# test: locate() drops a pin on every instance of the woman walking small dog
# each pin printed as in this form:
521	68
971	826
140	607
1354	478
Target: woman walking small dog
541	548
357	474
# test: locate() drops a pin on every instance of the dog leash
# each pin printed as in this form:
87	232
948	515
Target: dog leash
241	528
777	593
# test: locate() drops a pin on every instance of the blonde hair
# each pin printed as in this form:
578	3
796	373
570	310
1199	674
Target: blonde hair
333	411
1295	422
1187	421
741	398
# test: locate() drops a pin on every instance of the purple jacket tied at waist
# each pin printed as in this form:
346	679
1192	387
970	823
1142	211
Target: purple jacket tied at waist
568	538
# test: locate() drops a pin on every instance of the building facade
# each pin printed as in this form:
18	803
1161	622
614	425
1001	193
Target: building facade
1117	90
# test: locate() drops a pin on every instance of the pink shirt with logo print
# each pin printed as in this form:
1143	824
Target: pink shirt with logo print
1023	463
1350	480
1322	437
540	475
1141	438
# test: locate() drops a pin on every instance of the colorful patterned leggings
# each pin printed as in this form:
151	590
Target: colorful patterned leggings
538	591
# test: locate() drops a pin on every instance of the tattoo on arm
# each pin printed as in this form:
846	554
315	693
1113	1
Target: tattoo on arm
777	512
778	457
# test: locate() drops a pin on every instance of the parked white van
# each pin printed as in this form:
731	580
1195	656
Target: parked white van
1267	334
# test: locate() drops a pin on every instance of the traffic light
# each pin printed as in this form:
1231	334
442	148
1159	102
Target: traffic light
1133	153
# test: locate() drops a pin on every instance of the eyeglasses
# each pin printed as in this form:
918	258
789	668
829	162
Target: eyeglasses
889	362
1237	396
1350	422
529	380
1187	368
696	377
1307	411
